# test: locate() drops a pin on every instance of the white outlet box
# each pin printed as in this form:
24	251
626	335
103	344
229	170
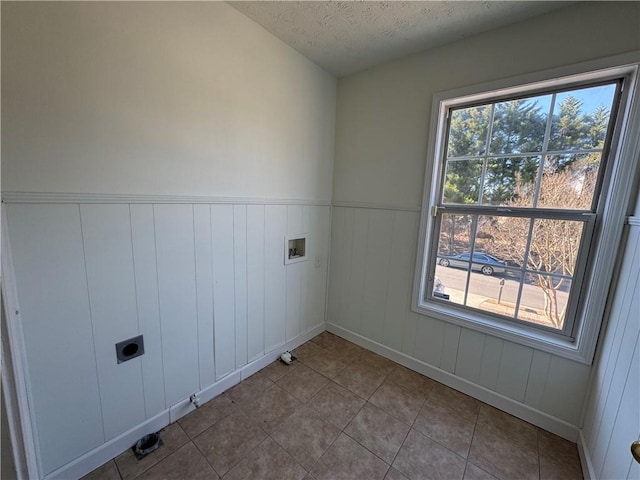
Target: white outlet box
318	261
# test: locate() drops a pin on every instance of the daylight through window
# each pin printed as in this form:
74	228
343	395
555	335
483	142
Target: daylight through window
520	182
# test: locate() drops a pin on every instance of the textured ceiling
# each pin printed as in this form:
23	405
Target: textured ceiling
346	37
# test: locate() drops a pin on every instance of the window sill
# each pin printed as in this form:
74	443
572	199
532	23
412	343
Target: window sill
520	334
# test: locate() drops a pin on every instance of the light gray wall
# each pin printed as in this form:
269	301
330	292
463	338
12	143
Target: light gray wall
383	113
153	98
381	147
160	98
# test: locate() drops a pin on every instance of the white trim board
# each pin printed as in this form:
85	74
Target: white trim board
50	197
513	407
585	458
105	452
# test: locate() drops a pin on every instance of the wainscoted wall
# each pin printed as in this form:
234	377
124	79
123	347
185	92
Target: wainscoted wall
612	416
372	266
205	284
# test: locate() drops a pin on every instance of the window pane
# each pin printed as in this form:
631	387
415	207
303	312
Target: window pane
462	184
519	125
581	118
554	246
455	231
497	293
569	181
504	238
510	181
468	132
451	263
544	300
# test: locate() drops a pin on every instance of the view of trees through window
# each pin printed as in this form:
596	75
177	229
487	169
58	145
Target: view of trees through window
518	176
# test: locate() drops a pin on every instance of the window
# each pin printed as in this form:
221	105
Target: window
520	187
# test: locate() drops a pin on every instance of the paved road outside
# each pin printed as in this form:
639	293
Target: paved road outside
484	293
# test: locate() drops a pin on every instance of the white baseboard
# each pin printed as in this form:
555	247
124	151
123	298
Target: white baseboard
105	452
585	458
513	407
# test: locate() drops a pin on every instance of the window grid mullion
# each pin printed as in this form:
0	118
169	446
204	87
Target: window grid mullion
543	153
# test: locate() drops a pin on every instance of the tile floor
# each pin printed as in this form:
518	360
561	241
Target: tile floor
342	412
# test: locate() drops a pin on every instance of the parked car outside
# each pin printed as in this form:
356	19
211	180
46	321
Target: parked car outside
482	262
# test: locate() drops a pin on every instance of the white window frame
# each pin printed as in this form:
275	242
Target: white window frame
619	193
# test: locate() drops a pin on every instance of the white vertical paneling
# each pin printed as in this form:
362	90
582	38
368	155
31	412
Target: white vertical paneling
450	345
625	313
177	294
294	274
106	232
353	291
204	291
513	372
400	278
223	288
539	371
146	276
378	259
615	334
344	280
564	379
47	250
626	427
319	225
240	269
255	281
309	220
409	332
470	350
276	275
490	366
337	271
429	341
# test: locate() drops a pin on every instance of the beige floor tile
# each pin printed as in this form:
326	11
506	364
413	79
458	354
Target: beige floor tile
502	458
271	407
361	379
306	350
229	441
378	362
394	474
464	405
278	369
410	380
560	469
173	437
108	471
336	404
325	363
498	422
378	431
305	435
422	458
247	390
445	427
267	462
303	383
186	462
402	404
208	414
348	460
345	349
556	447
324	339
476	473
